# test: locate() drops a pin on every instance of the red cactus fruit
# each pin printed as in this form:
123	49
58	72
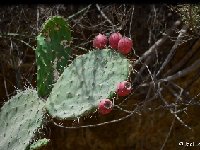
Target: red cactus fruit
114	39
100	41
123	88
124	45
105	106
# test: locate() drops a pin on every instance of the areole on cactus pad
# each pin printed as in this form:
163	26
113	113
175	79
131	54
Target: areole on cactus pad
90	78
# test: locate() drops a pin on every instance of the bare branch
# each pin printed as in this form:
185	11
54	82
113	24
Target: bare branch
173	50
167	137
38	16
131	22
181	73
99	124
103	14
171	111
177	66
158	43
82	10
144	66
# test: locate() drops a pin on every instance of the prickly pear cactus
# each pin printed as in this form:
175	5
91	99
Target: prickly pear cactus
20	118
52	53
90	78
39	144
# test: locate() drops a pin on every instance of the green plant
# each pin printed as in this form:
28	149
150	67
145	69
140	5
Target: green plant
39	144
20	117
85	82
52	53
72	90
190	15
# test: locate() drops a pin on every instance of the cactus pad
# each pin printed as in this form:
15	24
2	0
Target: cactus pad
87	80
39	144
20	118
52	53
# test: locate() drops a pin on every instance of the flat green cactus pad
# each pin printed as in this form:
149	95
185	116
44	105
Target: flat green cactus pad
52	53
39	144
20	118
90	78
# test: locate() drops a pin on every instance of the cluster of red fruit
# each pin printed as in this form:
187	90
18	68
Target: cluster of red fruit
124	46
116	41
123	89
